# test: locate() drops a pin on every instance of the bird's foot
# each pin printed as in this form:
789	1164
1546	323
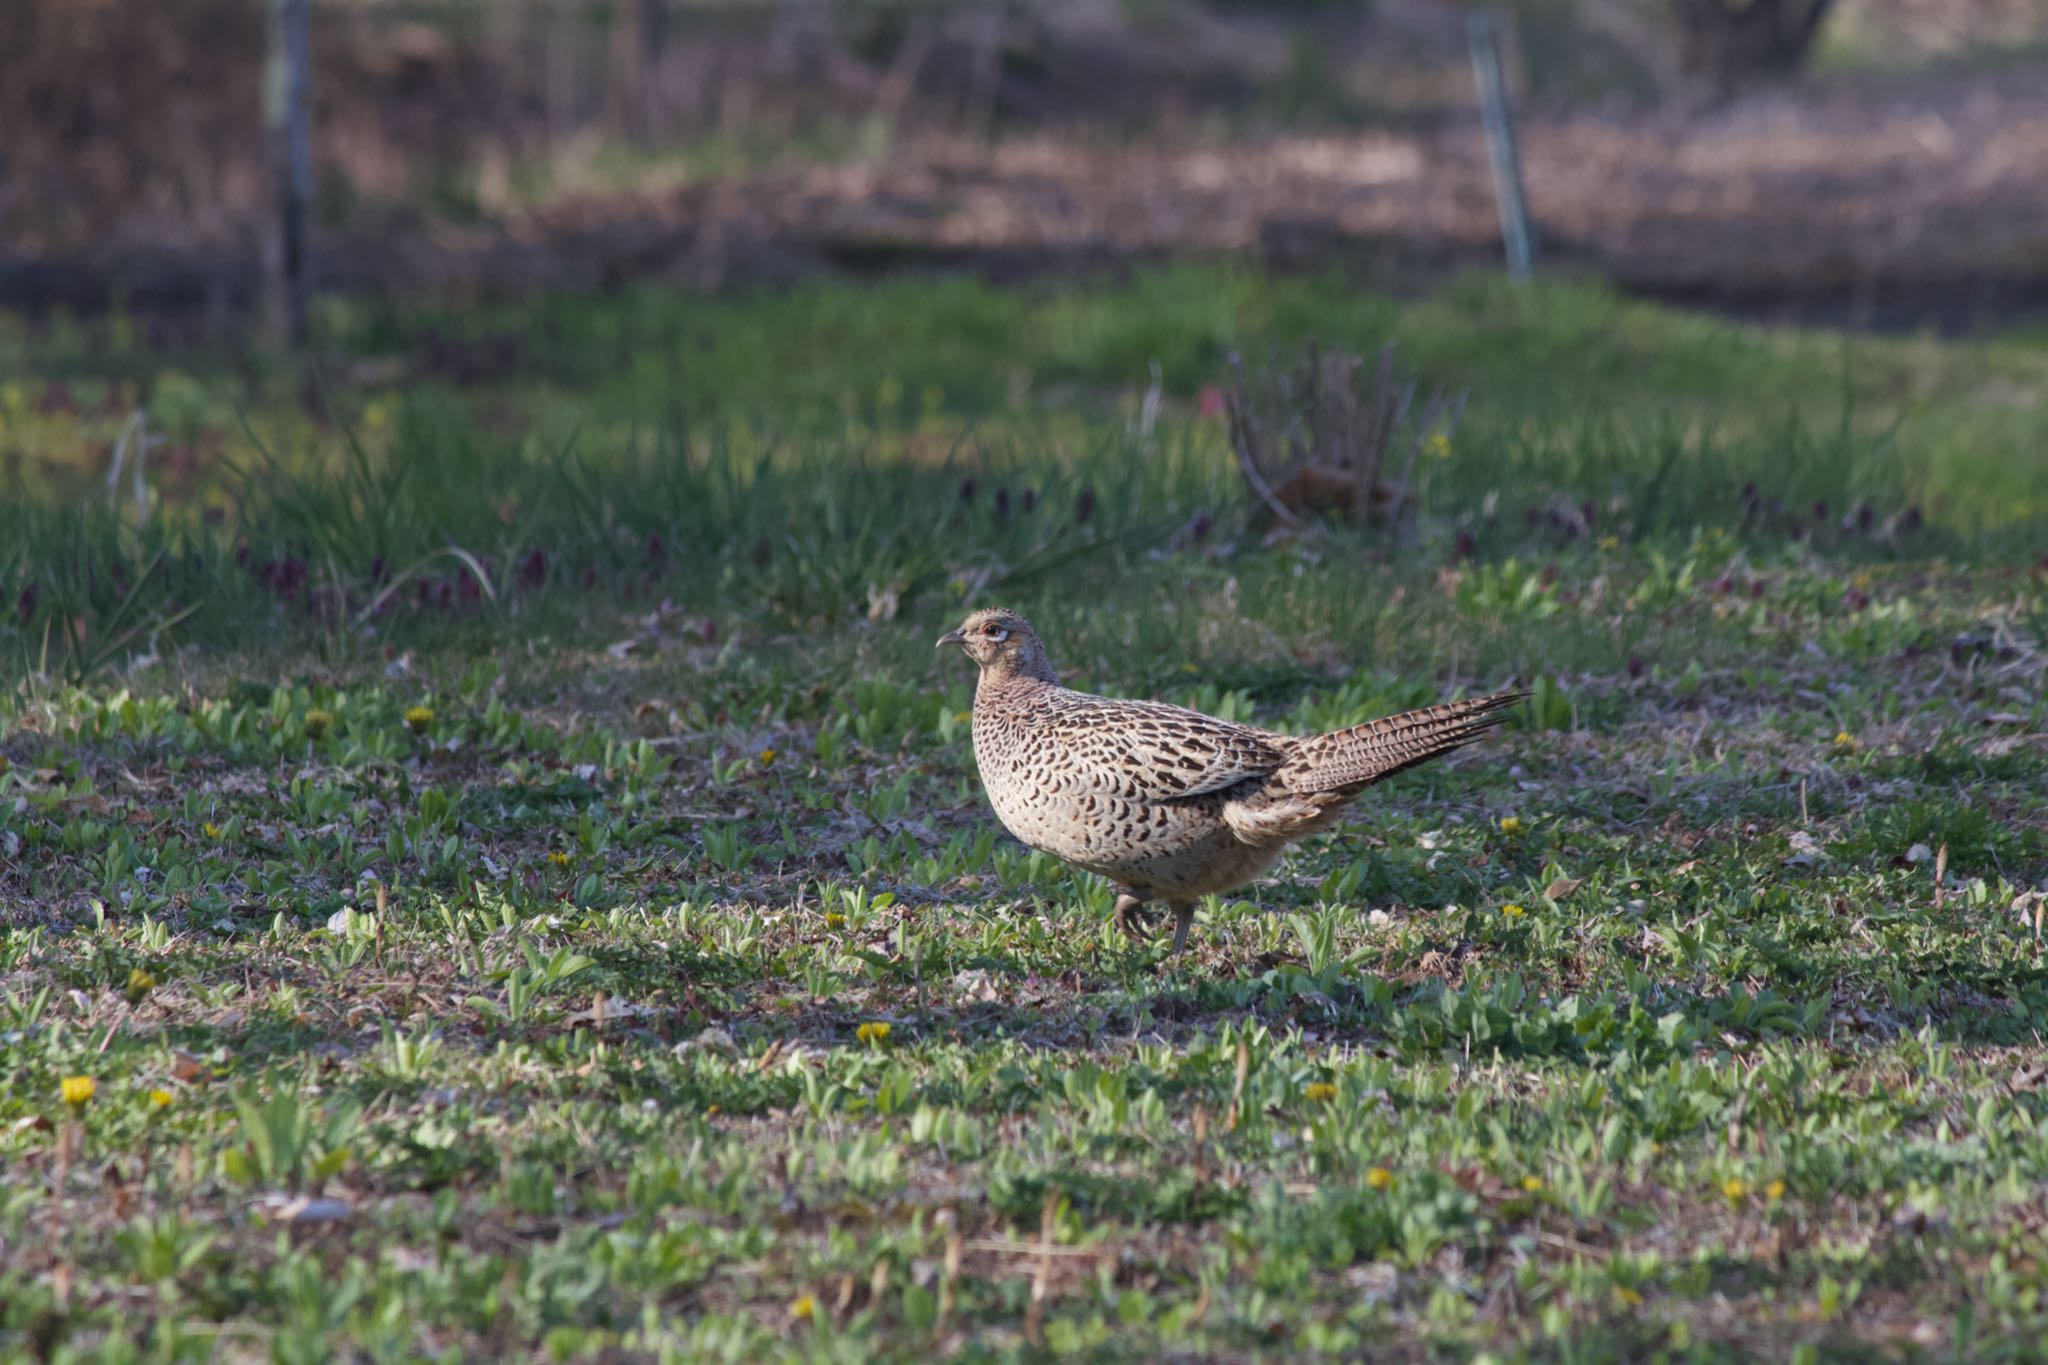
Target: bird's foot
1131	918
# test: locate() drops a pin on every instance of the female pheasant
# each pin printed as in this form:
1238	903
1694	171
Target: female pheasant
1169	804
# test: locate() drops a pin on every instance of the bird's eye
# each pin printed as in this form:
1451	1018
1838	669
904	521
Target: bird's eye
995	632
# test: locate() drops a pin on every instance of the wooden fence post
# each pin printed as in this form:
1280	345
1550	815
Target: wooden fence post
288	129
1501	152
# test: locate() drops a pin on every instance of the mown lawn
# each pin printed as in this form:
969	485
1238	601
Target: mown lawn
501	847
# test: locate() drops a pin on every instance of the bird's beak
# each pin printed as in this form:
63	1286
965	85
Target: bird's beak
951	637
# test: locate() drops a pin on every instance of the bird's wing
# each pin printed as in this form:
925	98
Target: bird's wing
1150	751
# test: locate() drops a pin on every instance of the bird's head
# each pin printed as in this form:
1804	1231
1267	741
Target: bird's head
1002	642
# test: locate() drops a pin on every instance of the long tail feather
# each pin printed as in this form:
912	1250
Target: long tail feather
1347	760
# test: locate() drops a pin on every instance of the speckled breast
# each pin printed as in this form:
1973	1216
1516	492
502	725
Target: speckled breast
1051	803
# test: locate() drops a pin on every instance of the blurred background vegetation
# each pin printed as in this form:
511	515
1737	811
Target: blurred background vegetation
478	144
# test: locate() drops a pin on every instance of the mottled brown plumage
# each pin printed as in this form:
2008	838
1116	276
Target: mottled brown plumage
1167	803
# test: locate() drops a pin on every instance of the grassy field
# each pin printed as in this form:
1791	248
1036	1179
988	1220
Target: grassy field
491	864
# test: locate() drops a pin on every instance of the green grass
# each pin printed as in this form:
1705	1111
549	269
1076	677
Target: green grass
487	972
798	451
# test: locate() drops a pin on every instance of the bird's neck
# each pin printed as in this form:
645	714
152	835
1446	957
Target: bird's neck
1009	677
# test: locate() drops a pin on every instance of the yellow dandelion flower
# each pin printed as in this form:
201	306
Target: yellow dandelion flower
1734	1188
210	830
1322	1092
78	1090
874	1033
803	1307
1844	740
834	920
1510	824
318	723
140	983
559	858
1532	1184
1379	1178
1440	446
1775	1191
711	1112
1633	1298
418	718
1513	911
767	758
159	1099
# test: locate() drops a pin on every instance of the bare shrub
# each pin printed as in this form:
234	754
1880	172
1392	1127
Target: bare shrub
1317	439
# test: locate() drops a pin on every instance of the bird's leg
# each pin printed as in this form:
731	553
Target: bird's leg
1183	919
1130	916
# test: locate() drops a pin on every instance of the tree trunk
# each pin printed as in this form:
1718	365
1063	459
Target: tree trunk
638	28
1732	42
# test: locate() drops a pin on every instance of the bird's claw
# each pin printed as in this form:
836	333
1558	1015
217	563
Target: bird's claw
1132	920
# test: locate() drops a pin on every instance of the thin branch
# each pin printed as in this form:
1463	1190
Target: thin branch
1244	442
